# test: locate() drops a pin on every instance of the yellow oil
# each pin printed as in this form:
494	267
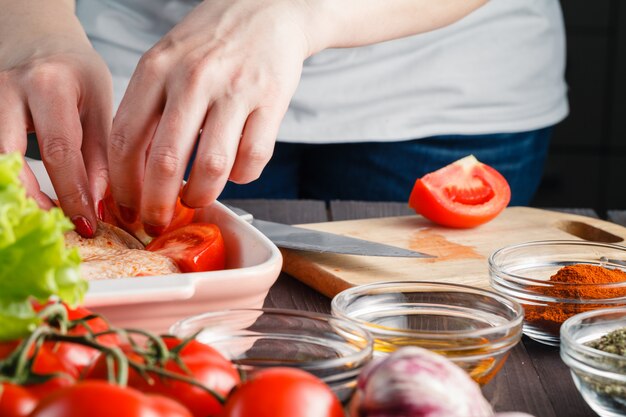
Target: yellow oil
481	370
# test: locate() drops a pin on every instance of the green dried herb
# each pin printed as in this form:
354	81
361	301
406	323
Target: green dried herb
614	342
611	394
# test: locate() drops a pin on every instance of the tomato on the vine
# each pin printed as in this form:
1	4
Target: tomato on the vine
74	354
16	401
45	364
464	194
283	392
194	247
200	362
101	399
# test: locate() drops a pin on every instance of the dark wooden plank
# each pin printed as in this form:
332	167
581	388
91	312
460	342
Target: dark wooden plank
579	211
352	210
283	211
290	293
517	387
617	216
557	381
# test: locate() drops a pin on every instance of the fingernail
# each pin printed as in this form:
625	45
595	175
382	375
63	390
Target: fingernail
83	227
153	230
128	214
182	202
101	210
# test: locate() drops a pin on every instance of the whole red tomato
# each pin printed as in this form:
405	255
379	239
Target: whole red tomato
464	194
282	392
47	363
44	363
201	363
74	354
194	247
16	401
101	399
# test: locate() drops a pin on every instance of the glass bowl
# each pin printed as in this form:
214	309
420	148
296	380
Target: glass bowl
333	349
474	328
523	273
599	376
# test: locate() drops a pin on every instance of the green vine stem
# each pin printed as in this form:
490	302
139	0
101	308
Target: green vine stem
17	366
111	352
55	312
165	373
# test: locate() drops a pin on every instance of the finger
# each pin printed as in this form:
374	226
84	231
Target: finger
257	144
97	120
57	124
133	128
168	156
216	153
33	189
13	138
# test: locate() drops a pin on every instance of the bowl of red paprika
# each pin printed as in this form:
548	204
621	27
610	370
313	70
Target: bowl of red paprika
556	279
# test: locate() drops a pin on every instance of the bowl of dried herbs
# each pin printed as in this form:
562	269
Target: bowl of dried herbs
593	345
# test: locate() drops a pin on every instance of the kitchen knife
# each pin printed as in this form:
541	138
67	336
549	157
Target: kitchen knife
299	238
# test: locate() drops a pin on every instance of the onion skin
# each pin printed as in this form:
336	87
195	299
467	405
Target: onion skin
415	382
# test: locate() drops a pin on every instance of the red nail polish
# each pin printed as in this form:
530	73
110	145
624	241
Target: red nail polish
153	230
83	227
101	210
128	214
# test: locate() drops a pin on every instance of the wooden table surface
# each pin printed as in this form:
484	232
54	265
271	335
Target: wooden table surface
533	379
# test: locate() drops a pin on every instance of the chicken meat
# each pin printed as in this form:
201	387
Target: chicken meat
113	253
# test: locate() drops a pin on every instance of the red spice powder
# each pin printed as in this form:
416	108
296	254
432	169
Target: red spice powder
579	281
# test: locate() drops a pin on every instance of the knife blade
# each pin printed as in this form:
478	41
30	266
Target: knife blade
299	238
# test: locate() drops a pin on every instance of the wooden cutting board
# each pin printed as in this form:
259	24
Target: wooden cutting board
461	253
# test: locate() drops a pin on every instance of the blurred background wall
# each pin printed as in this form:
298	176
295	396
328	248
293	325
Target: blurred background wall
587	161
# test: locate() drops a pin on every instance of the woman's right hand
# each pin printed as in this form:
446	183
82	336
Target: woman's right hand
52	82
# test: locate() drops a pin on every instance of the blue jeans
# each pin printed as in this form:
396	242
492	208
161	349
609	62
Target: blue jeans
386	171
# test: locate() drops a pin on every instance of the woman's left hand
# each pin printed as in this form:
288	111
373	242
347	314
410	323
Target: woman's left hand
229	69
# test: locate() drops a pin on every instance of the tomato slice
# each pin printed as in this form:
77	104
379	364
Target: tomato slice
194	247
182	216
464	194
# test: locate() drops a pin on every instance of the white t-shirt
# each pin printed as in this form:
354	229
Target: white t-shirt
498	70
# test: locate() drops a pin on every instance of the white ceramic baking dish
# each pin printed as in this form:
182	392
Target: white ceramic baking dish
155	303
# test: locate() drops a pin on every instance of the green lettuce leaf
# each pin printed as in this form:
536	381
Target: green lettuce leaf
34	260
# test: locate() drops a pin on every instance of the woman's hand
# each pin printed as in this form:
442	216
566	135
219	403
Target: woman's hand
52	82
229	69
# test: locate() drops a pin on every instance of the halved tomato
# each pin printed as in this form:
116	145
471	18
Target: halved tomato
182	215
464	194
194	247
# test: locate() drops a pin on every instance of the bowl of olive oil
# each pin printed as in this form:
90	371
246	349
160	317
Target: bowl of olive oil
475	328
